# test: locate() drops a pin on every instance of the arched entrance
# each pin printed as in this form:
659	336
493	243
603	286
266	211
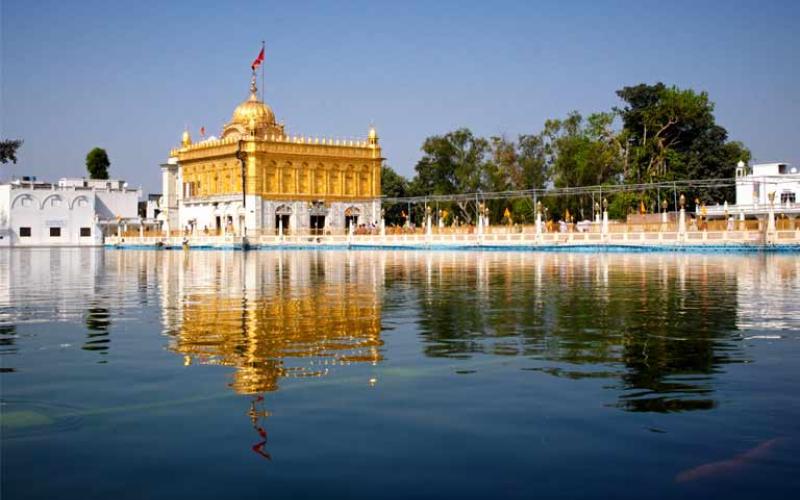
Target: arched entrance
317	213
282	216
351	215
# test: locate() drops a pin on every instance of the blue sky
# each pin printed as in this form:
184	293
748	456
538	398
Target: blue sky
128	76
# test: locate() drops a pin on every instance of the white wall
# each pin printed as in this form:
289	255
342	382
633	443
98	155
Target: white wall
5	229
113	204
41	209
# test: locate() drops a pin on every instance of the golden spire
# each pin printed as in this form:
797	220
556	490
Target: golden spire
372	137
186	139
253	88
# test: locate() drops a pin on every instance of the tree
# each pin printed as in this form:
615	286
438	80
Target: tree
671	133
8	150
582	153
393	185
453	163
97	163
532	168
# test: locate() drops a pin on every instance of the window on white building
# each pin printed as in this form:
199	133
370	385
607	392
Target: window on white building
86	232
55	232
24	232
787	197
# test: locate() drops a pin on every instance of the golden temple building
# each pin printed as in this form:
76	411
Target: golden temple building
256	178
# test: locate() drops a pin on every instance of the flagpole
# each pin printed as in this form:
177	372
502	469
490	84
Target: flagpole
262	73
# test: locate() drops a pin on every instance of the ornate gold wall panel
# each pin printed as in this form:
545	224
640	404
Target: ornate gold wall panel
282	171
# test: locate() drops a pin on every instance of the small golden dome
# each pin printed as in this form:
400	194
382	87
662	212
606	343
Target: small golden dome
186	139
373	134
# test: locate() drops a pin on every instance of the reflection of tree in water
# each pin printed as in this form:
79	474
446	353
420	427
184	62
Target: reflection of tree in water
8	333
98	324
661	330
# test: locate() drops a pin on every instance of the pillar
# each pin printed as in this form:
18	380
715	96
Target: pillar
350	231
428	228
682	224
771	236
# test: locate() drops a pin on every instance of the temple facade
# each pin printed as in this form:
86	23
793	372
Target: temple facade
258	179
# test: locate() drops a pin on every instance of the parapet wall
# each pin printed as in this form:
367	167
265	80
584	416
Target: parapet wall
732	240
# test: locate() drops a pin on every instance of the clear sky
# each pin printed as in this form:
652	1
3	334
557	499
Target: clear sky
128	76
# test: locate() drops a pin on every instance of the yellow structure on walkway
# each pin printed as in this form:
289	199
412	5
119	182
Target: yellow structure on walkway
257	176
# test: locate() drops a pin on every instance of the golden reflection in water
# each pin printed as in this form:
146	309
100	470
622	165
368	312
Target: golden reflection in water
275	315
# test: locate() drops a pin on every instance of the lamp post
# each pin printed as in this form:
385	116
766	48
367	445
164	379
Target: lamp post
241	156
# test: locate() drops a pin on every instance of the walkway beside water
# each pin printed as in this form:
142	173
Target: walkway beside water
499	238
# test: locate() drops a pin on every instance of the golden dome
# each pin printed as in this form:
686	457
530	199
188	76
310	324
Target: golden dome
253	113
373	134
186	139
252	117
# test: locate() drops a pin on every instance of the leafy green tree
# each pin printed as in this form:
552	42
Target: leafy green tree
671	133
97	163
393	185
8	150
532	168
515	166
582	153
456	162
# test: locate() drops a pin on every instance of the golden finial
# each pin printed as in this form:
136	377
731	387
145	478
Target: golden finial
186	139
253	88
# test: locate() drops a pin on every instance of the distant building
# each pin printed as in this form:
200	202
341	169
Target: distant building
70	212
151	207
257	178
754	183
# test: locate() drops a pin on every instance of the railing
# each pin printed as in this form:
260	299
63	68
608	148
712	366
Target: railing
697	232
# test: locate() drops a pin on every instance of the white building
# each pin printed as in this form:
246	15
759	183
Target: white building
754	183
70	212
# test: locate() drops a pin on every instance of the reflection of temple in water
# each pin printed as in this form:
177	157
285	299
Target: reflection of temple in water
274	315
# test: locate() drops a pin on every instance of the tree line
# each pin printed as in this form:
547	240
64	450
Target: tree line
659	133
